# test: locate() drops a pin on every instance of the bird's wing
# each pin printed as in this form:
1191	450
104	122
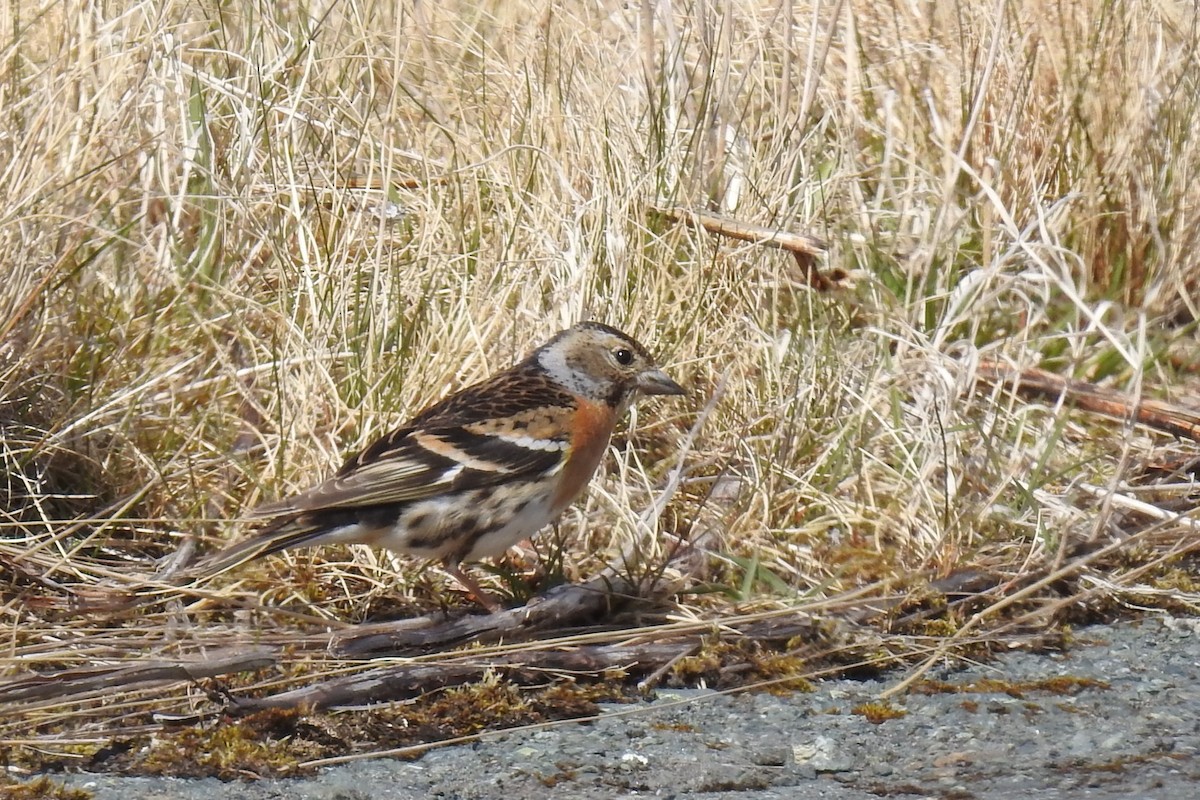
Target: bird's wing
449	448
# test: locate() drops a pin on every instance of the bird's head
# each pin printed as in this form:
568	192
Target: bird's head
602	363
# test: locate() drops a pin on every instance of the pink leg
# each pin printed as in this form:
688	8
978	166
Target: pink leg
483	598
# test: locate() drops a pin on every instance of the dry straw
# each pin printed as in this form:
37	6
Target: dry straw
242	239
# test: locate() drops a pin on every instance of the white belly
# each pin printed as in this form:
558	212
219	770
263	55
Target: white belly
468	526
535	516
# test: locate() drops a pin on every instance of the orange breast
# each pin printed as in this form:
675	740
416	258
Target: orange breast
592	428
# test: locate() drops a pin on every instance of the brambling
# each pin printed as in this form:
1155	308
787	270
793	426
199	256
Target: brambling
479	471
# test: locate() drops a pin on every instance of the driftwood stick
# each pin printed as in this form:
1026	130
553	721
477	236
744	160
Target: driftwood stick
800	243
803	247
82	681
563	606
1169	418
646	657
401	681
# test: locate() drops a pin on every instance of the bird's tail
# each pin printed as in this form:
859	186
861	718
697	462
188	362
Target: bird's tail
276	537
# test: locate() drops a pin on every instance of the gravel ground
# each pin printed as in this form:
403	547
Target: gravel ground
1138	738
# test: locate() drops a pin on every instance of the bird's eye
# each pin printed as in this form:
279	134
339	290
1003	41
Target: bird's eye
624	357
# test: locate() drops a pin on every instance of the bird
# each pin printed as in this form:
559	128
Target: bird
478	471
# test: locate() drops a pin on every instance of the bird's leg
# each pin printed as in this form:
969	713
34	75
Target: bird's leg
520	559
484	599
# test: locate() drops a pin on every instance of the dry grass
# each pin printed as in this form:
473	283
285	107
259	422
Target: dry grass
205	308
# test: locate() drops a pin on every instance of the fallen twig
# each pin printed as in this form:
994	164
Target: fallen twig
31	688
1169	418
400	681
805	248
563	606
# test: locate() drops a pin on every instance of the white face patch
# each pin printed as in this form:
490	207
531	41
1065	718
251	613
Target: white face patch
554	361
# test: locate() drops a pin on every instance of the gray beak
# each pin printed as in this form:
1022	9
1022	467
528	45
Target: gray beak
655	381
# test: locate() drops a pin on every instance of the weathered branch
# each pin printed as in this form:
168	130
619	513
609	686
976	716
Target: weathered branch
136	676
745	231
563	606
397	682
1169	418
805	248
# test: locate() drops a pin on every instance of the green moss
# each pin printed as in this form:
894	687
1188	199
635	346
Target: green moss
721	664
1176	579
938	627
877	713
476	707
693	669
261	744
41	788
1061	685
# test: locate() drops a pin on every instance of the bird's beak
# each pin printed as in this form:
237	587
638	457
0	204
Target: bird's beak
655	381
